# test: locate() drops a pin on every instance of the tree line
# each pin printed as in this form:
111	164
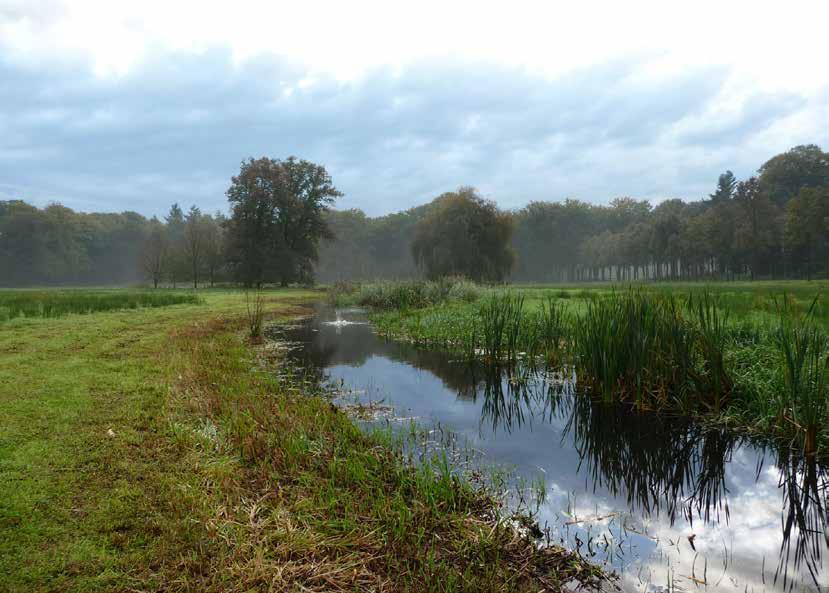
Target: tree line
772	225
282	229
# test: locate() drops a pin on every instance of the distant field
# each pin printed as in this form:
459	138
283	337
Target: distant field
58	303
758	300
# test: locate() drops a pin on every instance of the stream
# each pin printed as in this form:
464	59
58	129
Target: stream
664	502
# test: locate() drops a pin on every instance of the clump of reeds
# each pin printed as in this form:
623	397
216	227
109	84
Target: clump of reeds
649	349
501	321
551	326
804	350
712	333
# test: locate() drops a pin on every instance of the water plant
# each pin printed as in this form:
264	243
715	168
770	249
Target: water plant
501	322
804	351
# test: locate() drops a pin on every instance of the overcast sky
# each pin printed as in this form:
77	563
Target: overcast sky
108	107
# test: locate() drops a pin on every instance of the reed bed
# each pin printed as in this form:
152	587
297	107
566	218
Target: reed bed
52	304
406	294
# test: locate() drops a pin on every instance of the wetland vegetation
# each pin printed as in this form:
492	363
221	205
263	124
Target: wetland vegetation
751	356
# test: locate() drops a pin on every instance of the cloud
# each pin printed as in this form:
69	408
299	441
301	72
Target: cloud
175	127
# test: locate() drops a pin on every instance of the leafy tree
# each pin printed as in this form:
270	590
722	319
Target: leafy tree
277	219
783	176
756	226
465	235
807	229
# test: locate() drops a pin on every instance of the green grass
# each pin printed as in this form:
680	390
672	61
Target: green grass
152	449
724	351
54	303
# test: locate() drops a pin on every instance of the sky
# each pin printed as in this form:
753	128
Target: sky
111	106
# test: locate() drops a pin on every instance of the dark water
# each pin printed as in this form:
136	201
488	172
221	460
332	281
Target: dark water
667	504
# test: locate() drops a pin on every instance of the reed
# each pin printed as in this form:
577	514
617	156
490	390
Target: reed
501	319
554	325
714	383
804	352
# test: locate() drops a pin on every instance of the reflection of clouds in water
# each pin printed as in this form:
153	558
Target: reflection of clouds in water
729	555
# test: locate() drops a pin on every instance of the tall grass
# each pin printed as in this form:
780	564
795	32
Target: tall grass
54	303
255	315
502	327
804	351
712	335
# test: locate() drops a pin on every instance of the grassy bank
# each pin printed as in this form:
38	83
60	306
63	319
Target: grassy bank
150	449
755	356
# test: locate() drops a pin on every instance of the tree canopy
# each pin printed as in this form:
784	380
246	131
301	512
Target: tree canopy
277	219
464	235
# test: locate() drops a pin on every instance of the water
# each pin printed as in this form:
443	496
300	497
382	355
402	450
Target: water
668	505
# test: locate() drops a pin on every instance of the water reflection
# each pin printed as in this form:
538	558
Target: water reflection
667	502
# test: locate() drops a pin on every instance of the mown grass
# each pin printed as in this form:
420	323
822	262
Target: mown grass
58	303
154	450
756	359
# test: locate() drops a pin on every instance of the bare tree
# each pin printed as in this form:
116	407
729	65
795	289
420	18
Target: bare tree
154	253
214	245
195	242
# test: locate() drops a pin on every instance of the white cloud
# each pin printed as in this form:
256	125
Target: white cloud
526	100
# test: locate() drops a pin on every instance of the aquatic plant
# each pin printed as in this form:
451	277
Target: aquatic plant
501	322
713	382
804	351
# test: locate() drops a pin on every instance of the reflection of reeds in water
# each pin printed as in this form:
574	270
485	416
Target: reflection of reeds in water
664	464
514	396
805	486
671	465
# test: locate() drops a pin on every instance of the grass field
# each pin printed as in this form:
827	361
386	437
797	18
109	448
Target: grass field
148	449
752	355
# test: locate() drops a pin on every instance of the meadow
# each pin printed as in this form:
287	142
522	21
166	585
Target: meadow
159	448
754	356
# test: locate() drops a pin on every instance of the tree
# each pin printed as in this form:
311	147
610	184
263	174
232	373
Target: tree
726	184
214	247
807	229
756	226
464	235
783	176
194	243
277	219
177	263
154	253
